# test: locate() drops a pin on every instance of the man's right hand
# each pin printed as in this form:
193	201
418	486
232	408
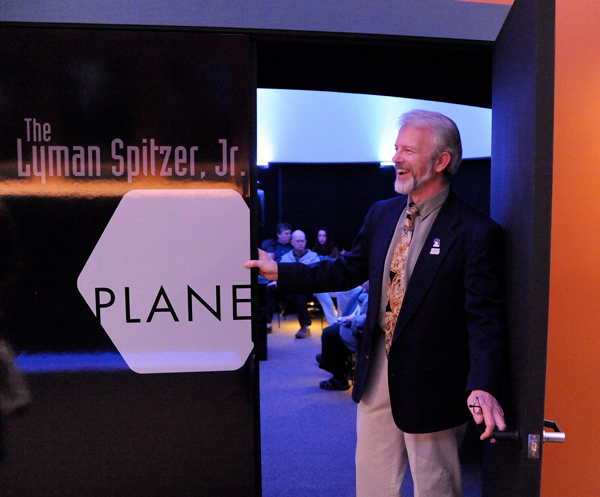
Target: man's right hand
267	266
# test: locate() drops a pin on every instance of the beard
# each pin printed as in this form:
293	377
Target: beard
406	187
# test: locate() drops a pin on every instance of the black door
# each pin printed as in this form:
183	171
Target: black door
521	199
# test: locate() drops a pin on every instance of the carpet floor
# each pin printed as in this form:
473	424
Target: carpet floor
308	434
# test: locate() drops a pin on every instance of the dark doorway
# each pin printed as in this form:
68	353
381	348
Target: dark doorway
339	195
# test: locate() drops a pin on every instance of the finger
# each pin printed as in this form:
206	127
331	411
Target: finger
489	428
497	414
473	401
500	422
480	421
263	256
494	417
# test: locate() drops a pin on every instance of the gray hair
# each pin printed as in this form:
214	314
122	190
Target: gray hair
446	134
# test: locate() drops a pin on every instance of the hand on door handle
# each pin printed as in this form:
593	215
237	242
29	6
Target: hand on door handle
555	436
486	412
500	435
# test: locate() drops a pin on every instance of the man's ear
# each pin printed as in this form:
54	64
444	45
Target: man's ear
442	161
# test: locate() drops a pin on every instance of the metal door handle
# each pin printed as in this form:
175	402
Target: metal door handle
533	442
556	436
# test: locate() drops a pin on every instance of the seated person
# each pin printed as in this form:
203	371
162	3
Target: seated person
340	340
275	247
300	253
325	248
325	245
343	298
278	246
328	307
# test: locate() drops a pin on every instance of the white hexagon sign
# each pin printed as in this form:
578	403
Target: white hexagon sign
167	280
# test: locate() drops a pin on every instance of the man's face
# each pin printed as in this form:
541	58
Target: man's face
284	237
413	159
299	242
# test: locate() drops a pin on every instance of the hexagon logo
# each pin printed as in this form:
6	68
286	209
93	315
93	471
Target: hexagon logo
167	280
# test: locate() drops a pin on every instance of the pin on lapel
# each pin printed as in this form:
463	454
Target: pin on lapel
435	250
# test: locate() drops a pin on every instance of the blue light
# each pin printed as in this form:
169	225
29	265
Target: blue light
56	362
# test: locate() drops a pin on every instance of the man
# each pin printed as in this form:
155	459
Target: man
444	352
278	246
300	253
307	256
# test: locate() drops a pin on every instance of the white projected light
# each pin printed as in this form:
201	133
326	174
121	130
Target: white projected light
318	126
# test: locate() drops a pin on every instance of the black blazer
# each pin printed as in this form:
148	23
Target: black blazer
449	338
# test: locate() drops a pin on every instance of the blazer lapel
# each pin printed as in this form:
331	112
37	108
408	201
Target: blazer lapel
428	263
386	225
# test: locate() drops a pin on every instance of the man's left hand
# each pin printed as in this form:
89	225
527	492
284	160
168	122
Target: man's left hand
485	409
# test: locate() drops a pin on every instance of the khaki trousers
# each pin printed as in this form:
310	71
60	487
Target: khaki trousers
383	452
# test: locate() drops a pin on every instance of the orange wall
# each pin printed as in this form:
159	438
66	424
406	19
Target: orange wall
573	376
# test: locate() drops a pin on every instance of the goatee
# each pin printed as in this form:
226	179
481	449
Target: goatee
404	187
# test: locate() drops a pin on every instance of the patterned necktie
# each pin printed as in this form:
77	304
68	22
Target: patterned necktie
396	282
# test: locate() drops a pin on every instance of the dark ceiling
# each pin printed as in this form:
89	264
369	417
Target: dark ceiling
453	71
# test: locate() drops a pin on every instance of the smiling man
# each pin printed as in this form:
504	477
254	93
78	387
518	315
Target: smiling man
432	347
423	164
